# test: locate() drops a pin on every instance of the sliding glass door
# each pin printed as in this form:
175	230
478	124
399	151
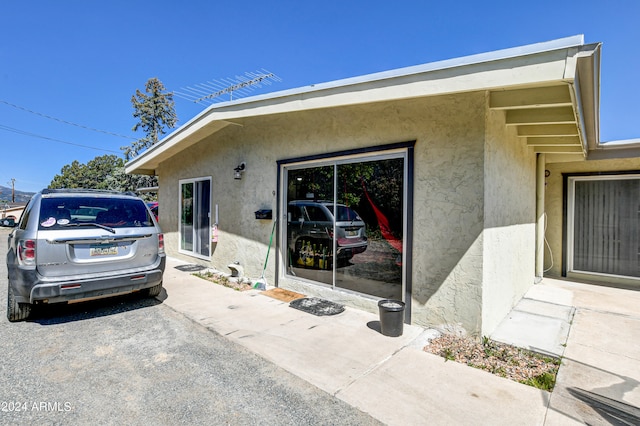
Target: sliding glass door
604	225
195	217
346	223
371	195
310	224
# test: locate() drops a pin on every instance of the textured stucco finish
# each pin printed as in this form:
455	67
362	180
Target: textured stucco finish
448	218
509	220
554	199
460	243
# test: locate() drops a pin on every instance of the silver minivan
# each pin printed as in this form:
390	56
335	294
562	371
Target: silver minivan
311	222
77	244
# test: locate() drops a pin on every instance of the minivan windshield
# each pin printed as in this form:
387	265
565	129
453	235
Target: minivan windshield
61	212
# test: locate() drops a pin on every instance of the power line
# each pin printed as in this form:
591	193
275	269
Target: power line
64	121
22	132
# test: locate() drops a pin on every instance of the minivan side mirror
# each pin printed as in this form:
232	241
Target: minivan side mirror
8	222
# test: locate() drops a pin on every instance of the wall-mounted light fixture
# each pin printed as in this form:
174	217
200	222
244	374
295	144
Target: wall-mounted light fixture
237	172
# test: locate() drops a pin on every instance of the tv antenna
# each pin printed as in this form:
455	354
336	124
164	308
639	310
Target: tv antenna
210	92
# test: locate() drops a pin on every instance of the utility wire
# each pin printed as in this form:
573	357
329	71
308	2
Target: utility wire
66	122
22	132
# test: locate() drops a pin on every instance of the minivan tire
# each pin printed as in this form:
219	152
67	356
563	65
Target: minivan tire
154	291
16	311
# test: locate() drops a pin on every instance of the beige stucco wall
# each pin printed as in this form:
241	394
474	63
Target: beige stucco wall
509	221
241	237
451	239
448	219
554	198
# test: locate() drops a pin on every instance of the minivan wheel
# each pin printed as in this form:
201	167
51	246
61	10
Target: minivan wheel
154	291
16	311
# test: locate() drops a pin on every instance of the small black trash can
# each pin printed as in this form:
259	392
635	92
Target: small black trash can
391	317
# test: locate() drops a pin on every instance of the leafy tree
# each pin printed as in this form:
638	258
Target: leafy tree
155	111
117	180
71	176
103	172
319	181
385	189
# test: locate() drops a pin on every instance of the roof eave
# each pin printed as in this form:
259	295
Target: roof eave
616	149
586	90
380	86
181	138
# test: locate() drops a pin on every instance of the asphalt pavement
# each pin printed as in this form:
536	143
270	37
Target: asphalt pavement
595	329
132	360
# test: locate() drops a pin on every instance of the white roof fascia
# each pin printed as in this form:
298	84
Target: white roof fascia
241	107
628	148
564	43
588	73
624	143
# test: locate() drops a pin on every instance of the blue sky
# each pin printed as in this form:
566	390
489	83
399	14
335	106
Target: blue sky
81	61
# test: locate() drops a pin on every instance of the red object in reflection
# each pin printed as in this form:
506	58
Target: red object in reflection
383	222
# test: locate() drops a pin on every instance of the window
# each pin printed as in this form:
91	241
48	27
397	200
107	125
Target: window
24	219
347	222
61	212
195	217
604	225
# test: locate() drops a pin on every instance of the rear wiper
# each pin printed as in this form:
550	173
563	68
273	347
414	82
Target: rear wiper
97	225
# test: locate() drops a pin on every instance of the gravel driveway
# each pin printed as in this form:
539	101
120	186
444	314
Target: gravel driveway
132	360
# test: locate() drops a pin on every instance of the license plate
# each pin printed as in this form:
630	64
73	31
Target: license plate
103	251
351	233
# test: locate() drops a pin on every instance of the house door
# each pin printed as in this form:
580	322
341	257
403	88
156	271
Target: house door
195	217
604	225
347	223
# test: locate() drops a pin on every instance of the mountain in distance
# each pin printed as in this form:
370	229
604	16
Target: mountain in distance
20	196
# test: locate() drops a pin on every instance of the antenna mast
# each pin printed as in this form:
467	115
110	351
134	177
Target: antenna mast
210	91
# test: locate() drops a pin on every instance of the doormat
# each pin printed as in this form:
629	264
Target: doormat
190	268
316	306
282	294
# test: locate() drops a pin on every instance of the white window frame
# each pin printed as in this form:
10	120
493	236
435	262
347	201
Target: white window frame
181	182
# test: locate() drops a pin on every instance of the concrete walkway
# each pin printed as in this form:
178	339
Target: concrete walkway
599	380
396	382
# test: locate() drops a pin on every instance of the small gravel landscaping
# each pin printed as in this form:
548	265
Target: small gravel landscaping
238	284
517	364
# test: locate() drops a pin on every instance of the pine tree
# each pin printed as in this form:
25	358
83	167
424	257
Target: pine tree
155	111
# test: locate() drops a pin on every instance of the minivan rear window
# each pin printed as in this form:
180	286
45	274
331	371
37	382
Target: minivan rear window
61	212
345	214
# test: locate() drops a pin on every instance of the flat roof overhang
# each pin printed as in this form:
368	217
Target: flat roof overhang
549	92
559	119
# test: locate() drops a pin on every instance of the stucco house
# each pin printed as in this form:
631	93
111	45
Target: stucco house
432	184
